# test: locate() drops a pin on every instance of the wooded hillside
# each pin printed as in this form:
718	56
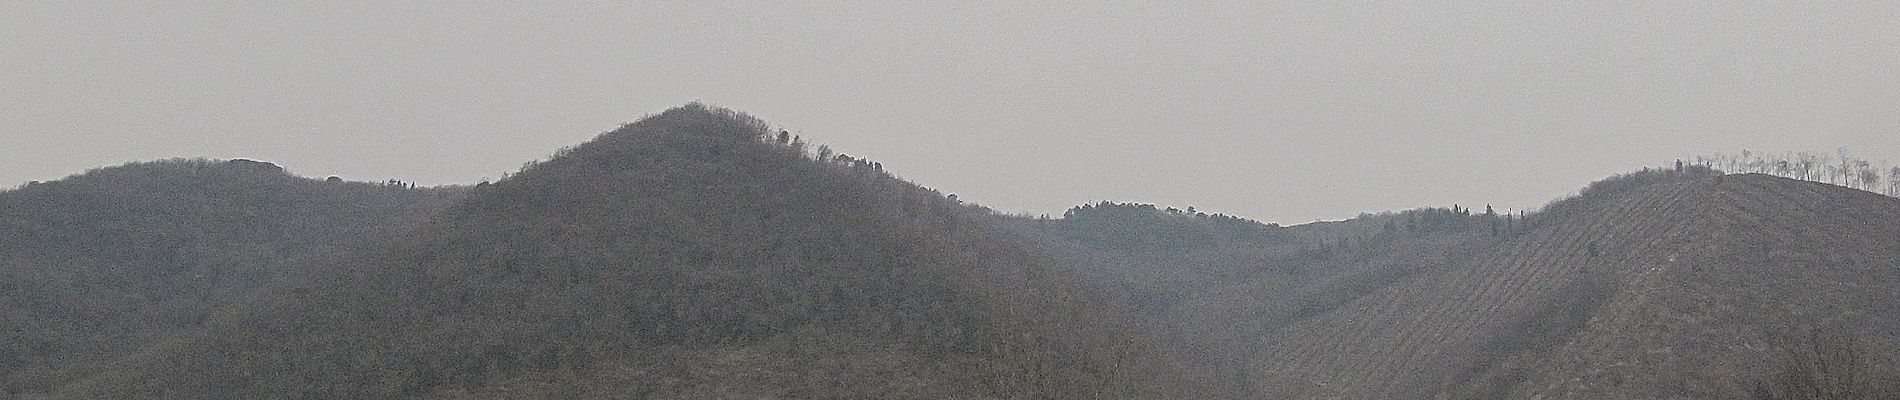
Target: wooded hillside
699	253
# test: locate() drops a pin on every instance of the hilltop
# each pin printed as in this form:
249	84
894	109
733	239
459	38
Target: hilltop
668	259
102	264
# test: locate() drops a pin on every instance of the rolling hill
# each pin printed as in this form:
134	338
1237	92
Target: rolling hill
698	254
101	265
1656	285
691	254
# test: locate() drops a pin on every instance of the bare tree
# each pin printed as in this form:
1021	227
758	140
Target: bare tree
1893	182
1846	170
1804	163
1840	168
1868	176
1829	367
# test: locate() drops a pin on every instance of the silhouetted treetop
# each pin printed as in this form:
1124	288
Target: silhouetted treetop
1136	226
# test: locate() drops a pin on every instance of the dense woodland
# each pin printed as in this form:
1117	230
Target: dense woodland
96	265
700	253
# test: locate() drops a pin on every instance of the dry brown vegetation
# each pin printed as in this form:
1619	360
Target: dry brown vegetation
1830	364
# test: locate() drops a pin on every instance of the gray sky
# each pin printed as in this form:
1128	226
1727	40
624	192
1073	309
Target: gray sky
1284	112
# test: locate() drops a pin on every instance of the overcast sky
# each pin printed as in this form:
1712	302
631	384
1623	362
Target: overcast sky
1286	112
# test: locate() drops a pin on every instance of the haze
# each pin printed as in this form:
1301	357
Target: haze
1286	112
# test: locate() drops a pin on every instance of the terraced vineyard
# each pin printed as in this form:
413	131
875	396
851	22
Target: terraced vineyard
1674	286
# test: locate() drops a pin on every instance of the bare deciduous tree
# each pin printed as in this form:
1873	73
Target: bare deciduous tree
1840	168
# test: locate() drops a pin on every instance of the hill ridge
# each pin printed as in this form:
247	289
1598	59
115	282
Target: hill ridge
1477	330
103	264
696	253
1530	267
690	232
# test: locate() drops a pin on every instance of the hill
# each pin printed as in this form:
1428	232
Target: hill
1655	285
99	265
697	253
692	254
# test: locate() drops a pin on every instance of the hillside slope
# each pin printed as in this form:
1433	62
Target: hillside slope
1767	264
96	266
697	254
691	254
1658	285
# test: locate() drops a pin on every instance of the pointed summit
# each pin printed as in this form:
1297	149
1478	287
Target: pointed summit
691	240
